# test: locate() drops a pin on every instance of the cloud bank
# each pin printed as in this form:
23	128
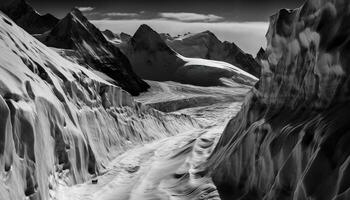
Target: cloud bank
121	14
190	17
249	36
86	9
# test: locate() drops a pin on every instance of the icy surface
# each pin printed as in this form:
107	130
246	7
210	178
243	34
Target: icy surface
172	96
61	124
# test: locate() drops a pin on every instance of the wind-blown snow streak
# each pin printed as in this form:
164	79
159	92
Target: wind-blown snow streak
61	123
291	138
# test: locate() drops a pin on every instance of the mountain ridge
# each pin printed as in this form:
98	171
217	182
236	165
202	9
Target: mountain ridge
75	32
26	17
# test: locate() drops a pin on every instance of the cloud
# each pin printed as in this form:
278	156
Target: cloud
190	17
86	9
120	14
249	36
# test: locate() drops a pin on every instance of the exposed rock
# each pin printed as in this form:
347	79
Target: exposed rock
90	48
290	140
152	59
61	124
115	38
27	18
261	55
206	45
125	37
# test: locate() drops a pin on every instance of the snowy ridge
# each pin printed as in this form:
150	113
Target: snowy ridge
207	46
60	123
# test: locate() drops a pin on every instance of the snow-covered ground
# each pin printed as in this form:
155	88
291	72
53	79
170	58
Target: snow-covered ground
172	96
169	168
165	169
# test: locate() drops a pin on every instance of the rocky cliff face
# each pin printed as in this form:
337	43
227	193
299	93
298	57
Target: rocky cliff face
27	18
60	124
290	141
206	45
75	32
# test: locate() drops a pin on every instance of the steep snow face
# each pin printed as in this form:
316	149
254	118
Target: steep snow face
60	123
90	48
290	140
152	59
27	18
206	45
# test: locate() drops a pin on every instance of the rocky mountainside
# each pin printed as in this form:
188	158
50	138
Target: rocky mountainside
151	58
27	18
206	45
291	138
261	55
92	49
60	123
113	37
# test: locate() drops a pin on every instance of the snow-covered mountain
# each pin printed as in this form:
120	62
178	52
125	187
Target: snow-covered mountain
60	123
291	138
206	45
79	40
28	18
151	58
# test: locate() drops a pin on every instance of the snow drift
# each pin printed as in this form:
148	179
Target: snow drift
60	123
291	138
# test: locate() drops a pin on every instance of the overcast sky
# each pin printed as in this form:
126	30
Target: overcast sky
244	22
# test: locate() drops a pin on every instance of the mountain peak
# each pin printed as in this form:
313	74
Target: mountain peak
27	18
75	11
145	30
146	37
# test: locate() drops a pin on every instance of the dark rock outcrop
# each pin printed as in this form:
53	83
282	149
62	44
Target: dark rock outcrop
27	18
261	55
110	35
75	32
206	45
290	140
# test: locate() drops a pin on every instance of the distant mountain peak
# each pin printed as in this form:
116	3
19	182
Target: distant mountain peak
146	31
146	37
76	12
75	32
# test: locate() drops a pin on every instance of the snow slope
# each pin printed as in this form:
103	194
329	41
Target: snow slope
61	124
152	59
